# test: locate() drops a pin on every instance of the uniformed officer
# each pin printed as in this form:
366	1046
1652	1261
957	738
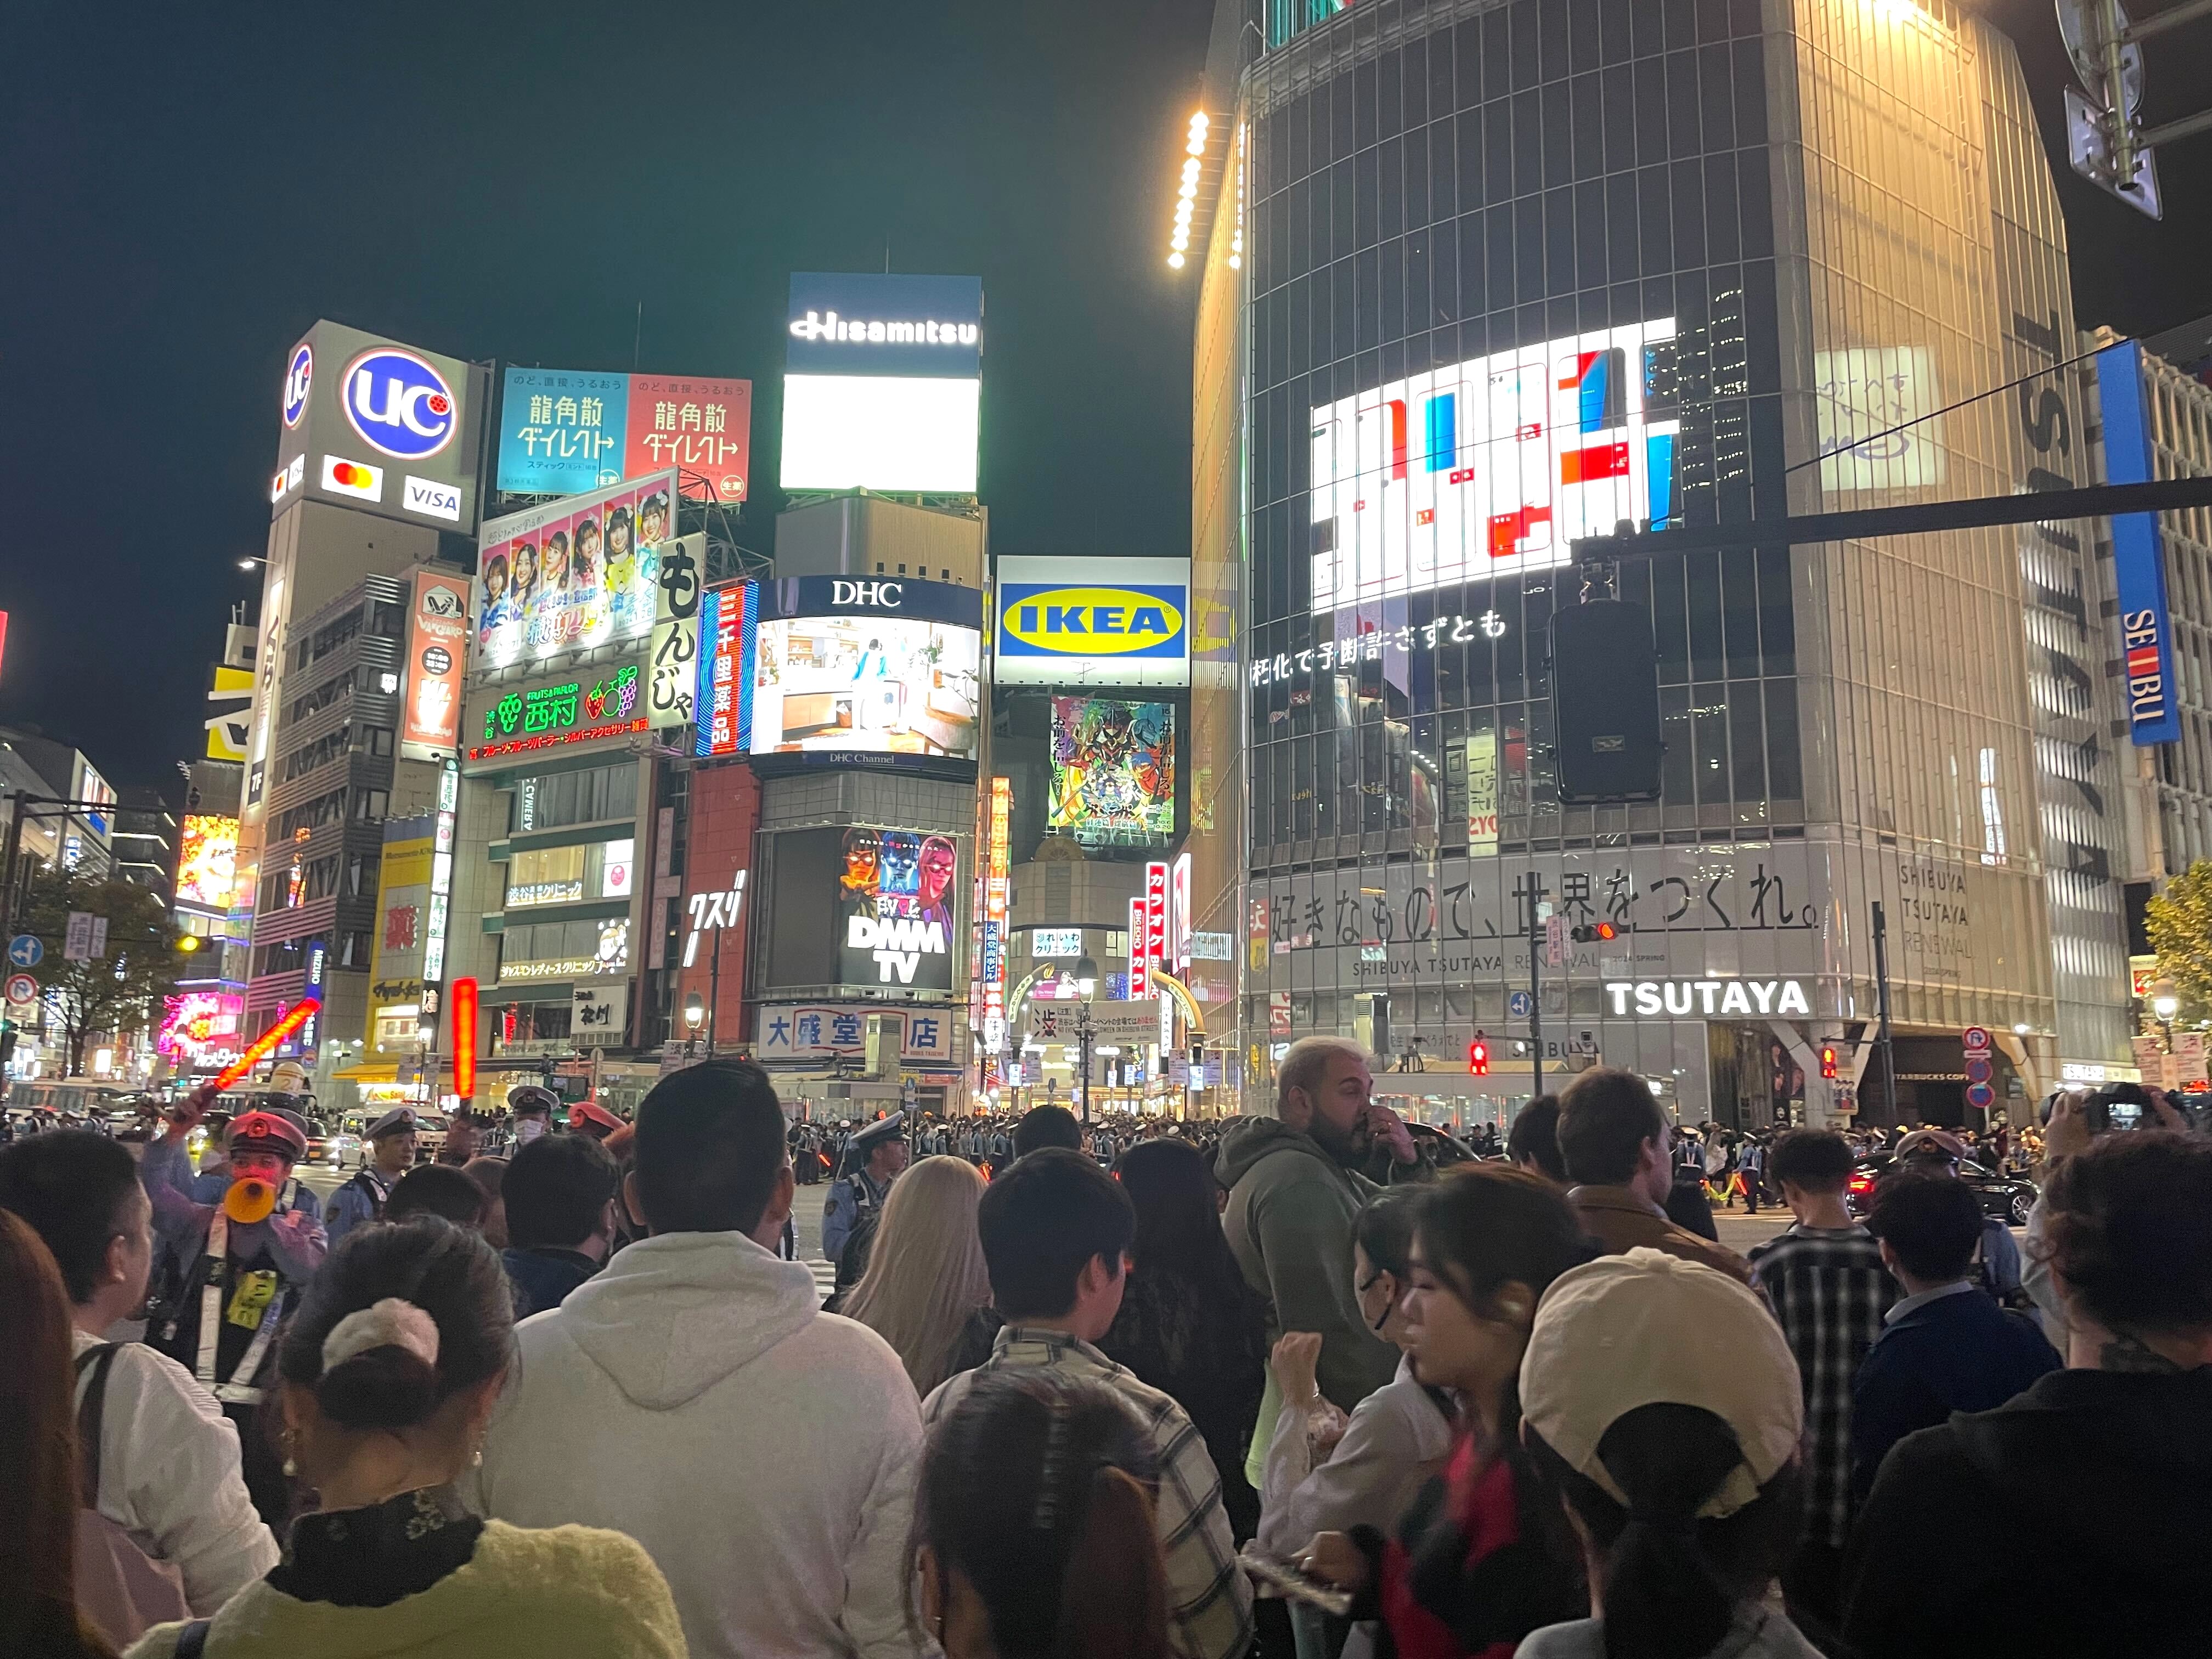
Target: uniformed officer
243	1263
215	1178
532	1104
880	1151
391	1154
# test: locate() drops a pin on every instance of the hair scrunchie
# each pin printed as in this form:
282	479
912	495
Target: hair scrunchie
388	1323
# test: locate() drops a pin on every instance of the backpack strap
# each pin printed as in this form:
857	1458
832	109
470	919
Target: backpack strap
90	1414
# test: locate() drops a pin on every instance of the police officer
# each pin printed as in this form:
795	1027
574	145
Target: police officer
391	1154
242	1264
213	1182
532	1104
879	1153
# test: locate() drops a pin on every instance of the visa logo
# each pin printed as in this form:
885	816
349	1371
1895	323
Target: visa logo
1092	621
433	500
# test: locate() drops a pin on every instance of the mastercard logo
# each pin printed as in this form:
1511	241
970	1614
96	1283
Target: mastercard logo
355	478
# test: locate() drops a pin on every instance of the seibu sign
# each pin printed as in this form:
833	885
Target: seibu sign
1708	998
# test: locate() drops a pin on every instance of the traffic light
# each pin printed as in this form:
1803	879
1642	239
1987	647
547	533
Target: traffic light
1828	1061
1591	931
1477	1057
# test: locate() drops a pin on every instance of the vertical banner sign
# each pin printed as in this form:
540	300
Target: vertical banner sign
464	1038
982	845
1179	927
2154	710
724	700
994	915
1156	914
1140	978
77	943
1256	936
437	650
441	881
1482	795
672	689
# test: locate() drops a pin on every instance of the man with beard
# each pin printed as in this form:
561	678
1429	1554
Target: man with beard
1294	1191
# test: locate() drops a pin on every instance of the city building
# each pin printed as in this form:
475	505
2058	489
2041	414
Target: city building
66	807
144	840
1478	280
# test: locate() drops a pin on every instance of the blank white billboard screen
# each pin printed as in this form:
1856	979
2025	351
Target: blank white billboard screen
889	433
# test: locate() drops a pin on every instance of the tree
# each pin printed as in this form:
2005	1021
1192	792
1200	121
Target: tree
2180	923
120	993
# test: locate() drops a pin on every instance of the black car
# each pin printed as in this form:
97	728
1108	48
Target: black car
2006	1197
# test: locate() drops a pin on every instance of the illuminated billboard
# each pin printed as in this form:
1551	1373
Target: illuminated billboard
1120	622
371	424
1112	771
207	860
895	899
867	671
200	1029
572	574
1493	465
882	383
563	431
596	706
437	647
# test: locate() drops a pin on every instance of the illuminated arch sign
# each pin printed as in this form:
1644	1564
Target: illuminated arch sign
1096	622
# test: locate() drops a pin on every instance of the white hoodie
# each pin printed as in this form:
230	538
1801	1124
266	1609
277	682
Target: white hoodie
694	1396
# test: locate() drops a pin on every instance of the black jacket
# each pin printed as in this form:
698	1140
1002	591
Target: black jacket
542	1275
2070	1522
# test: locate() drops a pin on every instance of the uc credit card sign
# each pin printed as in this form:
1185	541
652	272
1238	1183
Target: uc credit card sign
1092	621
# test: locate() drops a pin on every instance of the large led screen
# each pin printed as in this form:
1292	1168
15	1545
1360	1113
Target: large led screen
1113	769
207	860
898	688
865	432
1493	465
894	904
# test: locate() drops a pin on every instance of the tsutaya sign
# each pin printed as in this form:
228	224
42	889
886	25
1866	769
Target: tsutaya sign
1679	997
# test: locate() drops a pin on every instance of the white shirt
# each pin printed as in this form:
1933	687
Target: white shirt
1396	1439
169	1475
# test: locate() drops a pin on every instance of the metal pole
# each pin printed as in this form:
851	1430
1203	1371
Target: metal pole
1083	1052
714	991
1881	1009
7	872
1535	995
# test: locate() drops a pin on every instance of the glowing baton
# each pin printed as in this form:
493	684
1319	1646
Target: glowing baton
465	1002
262	1046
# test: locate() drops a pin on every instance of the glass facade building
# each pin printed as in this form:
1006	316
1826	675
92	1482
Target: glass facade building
1515	274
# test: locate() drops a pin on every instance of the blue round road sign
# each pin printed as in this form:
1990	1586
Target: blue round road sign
24	950
1980	1096
1519	1004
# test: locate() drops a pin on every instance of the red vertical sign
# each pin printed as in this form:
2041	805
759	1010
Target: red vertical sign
1156	914
1140	977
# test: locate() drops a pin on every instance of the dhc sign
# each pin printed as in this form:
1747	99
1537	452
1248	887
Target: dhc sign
1123	621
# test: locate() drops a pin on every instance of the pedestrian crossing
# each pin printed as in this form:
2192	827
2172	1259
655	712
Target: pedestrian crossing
825	1276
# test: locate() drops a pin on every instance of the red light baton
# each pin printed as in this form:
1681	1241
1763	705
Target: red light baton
465	1002
262	1046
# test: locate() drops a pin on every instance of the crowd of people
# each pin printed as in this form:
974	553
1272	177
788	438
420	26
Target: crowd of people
1276	1386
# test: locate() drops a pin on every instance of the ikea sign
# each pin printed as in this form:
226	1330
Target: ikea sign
1103	622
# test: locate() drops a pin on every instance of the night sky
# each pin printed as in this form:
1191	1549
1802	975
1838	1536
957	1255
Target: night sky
495	181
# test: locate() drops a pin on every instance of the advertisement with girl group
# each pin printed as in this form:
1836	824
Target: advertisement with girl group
574	574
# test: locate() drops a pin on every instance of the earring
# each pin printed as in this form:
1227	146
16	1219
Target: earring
291	1464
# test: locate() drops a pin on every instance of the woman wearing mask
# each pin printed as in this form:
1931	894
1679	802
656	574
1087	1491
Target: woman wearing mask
38	1458
1033	1526
1190	1324
926	1291
1660	1396
390	1372
1397	1438
1483	1555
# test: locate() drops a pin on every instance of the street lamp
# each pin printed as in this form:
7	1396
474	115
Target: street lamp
694	1012
2166	1003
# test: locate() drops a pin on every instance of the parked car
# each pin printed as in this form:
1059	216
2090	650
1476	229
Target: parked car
2007	1197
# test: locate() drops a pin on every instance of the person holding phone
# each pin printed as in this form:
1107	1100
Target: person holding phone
2072	1119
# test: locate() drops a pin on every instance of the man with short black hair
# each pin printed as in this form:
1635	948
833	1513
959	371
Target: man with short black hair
1056	1232
560	1194
1946	1347
167	1458
1617	1146
391	1154
693	1396
1825	1280
1046	1125
1534	1142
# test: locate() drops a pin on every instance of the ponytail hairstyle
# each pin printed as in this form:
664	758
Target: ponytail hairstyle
1671	1583
1037	1492
402	1317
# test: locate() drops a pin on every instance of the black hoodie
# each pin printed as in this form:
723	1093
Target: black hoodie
2069	1520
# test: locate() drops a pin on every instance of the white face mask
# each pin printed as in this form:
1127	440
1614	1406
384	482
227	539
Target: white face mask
529	1128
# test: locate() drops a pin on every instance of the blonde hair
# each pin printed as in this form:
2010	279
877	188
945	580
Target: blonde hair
925	1274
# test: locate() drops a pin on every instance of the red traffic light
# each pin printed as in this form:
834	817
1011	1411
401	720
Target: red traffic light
1477	1057
1827	1062
1594	932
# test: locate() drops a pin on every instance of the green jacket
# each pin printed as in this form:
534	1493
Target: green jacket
1289	1220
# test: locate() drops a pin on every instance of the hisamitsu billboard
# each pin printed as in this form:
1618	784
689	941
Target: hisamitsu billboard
1099	622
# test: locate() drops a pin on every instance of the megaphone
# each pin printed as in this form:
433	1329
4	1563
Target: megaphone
249	1200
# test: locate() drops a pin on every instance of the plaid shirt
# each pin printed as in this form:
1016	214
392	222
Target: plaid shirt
1830	1291
1209	1602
